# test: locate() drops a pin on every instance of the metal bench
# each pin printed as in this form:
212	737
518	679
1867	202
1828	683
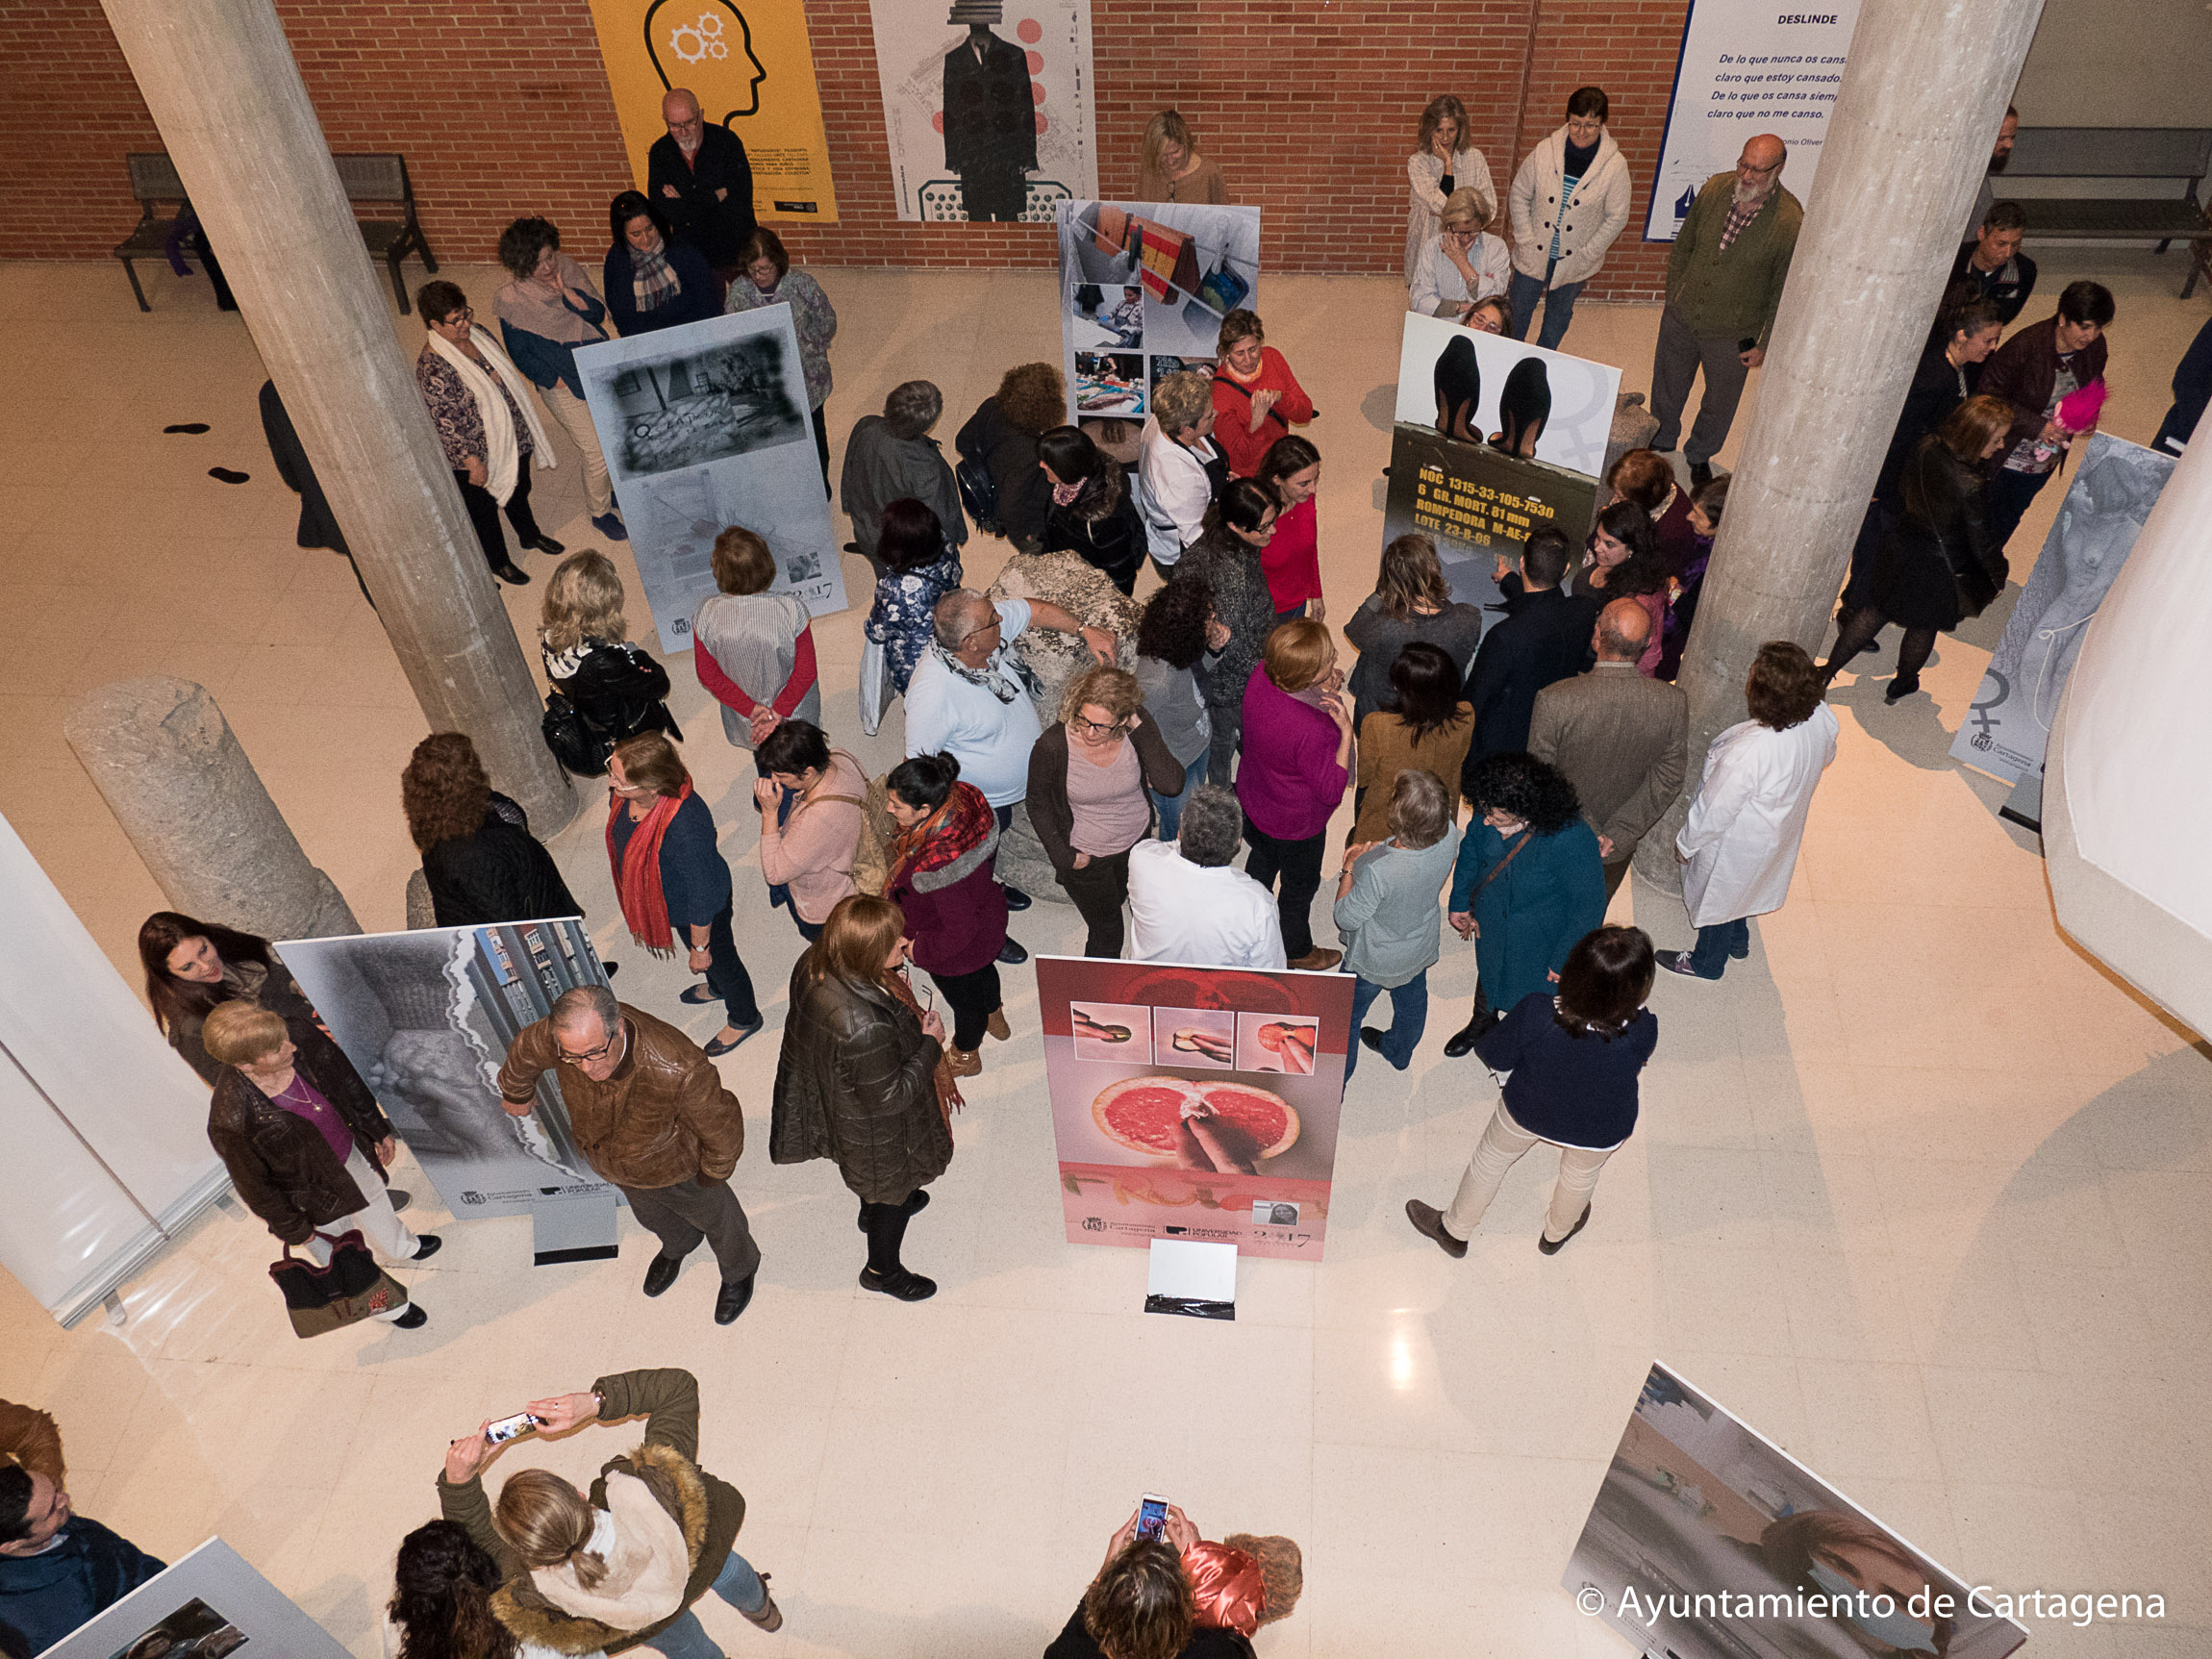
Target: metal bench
2182	155
376	179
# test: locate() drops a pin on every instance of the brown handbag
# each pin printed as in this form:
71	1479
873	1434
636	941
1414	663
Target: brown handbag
350	1289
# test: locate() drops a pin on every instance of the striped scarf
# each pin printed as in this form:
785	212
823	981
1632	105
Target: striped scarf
652	279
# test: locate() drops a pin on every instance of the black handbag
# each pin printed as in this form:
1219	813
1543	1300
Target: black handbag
978	493
576	743
351	1288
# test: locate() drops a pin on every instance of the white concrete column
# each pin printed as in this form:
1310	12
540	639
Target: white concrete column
220	78
1906	148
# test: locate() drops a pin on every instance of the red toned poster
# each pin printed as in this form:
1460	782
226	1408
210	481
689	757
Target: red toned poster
1194	1102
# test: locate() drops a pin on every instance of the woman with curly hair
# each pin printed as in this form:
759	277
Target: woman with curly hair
1528	884
1625	562
546	311
1572	1060
1177	632
1001	439
1411	601
1741	839
478	855
1094	510
440	1605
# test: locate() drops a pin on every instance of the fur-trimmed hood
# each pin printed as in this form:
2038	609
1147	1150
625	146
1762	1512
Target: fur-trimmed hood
676	1484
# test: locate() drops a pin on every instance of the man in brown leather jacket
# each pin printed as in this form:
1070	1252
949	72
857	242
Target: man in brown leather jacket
650	1115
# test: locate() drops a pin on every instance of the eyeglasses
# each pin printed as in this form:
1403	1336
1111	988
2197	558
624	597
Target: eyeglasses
989	627
589	1055
1113	732
1746	167
464	315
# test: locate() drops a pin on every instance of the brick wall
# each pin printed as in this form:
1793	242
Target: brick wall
1309	107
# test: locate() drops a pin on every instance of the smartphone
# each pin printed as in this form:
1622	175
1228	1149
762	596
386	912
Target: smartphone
508	1428
1152	1515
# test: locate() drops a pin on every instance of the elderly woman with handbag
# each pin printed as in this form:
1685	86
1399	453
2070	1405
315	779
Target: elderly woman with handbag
309	1163
863	1080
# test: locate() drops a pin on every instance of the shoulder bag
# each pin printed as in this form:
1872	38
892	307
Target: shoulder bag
352	1288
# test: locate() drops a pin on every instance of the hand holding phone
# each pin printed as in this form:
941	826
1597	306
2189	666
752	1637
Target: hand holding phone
1152	1515
507	1428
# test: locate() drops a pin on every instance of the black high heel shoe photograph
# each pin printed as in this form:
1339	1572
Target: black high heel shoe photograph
1458	391
1523	408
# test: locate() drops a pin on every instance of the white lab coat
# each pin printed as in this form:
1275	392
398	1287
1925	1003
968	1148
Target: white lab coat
1743	828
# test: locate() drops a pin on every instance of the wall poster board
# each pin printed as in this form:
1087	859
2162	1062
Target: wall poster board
752	69
1707	1540
1748	67
426	1017
991	109
2115	487
208	1606
704	427
1195	1103
1494	439
1144	286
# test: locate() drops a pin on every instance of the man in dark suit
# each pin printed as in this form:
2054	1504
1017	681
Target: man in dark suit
1545	637
1621	740
990	120
699	176
317	524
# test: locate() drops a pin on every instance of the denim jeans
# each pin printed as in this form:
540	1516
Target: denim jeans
1709	957
1170	807
687	1638
1522	292
1408	1019
726	976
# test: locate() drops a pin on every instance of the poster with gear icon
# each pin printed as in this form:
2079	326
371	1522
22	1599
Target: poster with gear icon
751	66
989	107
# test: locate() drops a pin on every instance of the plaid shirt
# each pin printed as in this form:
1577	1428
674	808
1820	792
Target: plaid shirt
1740	217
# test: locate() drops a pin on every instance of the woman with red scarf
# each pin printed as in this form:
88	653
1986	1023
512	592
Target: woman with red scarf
943	877
670	874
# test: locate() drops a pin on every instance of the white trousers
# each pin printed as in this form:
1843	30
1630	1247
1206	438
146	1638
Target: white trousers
575	417
379	1223
1503	1144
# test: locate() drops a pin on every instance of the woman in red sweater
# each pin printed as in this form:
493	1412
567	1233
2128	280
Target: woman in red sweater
1292	473
1256	397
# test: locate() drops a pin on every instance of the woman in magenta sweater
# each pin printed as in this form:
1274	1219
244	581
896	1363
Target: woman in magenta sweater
1296	759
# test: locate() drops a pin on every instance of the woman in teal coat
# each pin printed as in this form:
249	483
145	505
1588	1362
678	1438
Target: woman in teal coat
1528	885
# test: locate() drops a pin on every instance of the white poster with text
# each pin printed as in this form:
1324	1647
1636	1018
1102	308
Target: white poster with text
1746	69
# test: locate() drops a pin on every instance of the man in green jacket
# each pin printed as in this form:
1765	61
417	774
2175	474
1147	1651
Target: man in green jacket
1723	282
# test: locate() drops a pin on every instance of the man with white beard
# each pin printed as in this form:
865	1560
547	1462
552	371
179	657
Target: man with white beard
1724	281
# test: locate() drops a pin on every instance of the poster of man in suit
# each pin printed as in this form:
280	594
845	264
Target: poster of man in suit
988	106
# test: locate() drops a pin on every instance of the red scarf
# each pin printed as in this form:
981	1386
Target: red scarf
638	873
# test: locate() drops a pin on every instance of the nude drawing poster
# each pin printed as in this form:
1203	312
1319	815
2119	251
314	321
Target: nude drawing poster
209	1605
989	107
1707	1540
1195	1103
752	68
2115	485
1748	67
426	1017
1494	439
704	427
1144	286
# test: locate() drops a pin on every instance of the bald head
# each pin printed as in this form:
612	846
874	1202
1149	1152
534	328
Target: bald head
680	109
1623	632
1759	168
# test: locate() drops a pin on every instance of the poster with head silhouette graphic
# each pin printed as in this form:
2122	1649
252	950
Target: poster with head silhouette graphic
1707	1540
749	66
426	1017
989	107
2115	485
1493	441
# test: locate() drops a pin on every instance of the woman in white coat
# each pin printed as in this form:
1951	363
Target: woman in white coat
1569	202
1462	263
1441	161
1741	839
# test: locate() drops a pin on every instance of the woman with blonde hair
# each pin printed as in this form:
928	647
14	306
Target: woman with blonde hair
616	687
1171	169
622	1568
862	1079
1442	162
1000	439
754	650
1087	777
669	876
1297	761
1411	601
1462	263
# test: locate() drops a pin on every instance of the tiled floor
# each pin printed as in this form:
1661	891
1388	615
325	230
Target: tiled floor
1919	1190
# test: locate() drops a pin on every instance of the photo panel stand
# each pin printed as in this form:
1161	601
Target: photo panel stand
573	1226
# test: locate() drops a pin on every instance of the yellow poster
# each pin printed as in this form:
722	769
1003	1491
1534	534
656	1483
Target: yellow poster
752	69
